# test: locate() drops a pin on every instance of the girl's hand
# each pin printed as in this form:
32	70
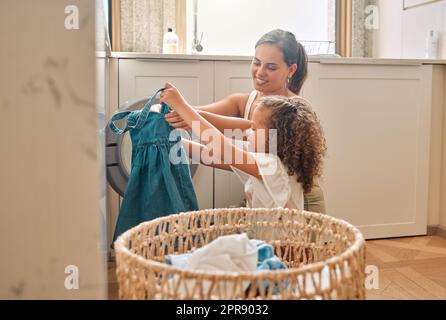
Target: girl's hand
176	121
172	97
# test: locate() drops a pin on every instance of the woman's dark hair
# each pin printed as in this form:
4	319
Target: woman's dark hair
293	52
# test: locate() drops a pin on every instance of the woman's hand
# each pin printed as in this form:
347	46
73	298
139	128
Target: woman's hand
176	121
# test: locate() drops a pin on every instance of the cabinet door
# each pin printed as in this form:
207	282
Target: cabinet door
195	80
142	77
230	77
377	125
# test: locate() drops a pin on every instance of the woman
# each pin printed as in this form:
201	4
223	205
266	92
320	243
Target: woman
279	67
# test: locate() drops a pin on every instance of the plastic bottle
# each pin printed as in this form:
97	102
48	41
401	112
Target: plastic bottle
170	42
431	44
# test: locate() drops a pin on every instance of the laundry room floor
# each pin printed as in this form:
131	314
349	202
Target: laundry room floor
412	268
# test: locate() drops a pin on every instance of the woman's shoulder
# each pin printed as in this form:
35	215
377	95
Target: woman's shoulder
241	99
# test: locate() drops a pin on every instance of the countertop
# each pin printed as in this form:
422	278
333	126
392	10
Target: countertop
328	59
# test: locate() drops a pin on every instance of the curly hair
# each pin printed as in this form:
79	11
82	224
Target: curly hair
301	144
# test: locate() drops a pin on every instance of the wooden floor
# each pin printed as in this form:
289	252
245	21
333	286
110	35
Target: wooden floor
409	268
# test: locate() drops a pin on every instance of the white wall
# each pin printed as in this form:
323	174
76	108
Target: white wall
442	217
234	26
402	33
49	188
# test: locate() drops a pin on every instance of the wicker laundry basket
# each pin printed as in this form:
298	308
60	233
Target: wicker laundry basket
325	256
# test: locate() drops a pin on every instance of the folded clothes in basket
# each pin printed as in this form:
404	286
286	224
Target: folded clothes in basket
231	253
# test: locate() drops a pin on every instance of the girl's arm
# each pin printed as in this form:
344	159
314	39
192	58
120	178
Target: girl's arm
194	151
219	146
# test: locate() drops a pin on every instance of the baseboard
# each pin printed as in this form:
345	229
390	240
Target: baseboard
437	230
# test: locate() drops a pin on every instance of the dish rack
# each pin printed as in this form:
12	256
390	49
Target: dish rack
319	47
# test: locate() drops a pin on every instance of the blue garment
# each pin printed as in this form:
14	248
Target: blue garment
267	261
156	186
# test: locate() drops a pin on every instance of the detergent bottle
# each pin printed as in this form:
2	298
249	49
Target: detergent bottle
170	42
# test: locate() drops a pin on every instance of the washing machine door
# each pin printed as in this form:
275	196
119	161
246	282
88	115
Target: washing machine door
119	151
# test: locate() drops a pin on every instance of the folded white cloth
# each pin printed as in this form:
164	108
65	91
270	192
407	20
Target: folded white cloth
231	253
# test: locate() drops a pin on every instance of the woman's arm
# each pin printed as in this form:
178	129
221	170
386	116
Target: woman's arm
229	107
218	121
194	151
225	122
219	146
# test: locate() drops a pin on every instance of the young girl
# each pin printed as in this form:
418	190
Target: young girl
271	179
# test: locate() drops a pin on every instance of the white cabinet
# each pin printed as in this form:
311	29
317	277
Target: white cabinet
377	125
142	77
230	77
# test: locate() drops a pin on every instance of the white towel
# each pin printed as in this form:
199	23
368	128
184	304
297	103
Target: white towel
231	253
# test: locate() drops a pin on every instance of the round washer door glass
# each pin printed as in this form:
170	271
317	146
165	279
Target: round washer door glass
126	153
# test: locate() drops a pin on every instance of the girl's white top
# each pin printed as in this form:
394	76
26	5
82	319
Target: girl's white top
275	188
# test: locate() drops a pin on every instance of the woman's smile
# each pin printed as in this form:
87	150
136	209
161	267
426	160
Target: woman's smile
260	82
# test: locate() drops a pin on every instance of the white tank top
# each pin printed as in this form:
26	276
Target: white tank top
252	97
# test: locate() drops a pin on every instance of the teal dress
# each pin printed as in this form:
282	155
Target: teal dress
160	181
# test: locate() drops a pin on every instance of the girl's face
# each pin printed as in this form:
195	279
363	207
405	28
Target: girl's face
258	134
269	71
